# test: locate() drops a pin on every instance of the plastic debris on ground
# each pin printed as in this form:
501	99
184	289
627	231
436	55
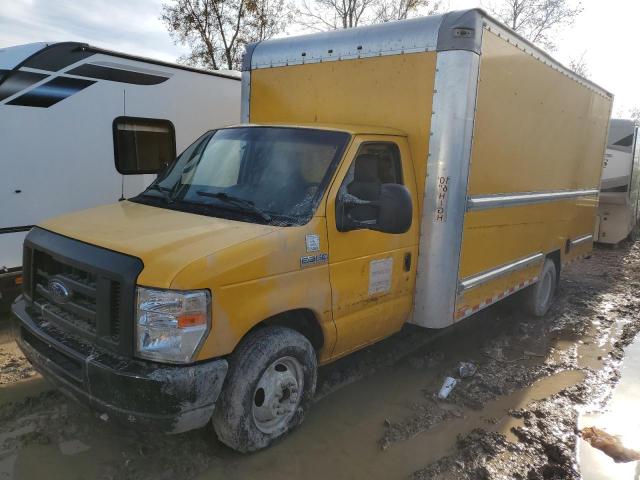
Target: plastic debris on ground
467	369
447	387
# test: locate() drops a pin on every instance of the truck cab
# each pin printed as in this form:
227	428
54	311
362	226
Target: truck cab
255	234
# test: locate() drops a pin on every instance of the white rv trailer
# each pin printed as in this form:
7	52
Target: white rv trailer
619	207
81	126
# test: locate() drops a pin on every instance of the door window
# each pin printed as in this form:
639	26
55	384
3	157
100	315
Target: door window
374	165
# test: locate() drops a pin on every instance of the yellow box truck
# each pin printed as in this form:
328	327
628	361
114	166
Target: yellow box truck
415	171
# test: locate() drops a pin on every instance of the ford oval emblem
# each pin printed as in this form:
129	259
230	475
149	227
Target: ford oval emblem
59	291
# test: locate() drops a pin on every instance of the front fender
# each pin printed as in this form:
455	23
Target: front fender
259	279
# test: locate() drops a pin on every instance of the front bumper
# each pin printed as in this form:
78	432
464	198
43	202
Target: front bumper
145	395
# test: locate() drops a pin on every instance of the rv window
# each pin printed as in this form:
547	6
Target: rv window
143	145
625	142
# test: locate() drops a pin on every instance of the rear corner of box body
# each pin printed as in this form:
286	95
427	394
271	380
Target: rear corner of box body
444	203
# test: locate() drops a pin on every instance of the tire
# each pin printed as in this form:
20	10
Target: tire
539	296
268	389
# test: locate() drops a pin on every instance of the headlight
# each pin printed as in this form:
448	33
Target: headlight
171	324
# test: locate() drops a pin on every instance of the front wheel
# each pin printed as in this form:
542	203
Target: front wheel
270	384
539	296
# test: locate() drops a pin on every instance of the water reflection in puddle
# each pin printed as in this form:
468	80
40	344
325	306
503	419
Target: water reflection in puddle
622	419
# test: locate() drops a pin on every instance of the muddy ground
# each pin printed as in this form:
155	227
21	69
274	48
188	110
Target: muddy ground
376	413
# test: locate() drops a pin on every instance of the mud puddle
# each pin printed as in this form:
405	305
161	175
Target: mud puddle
620	419
22	389
347	426
377	414
597	315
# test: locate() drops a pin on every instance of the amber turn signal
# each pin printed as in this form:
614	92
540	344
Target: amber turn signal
191	320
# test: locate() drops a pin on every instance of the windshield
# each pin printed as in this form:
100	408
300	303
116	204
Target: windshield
260	174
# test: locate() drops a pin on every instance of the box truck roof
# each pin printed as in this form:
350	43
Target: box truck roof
456	30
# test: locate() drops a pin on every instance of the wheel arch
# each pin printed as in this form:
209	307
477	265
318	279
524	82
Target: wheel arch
302	320
555	256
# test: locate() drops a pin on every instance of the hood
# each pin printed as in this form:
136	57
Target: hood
165	240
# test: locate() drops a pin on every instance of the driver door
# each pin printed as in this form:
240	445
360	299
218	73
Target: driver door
372	273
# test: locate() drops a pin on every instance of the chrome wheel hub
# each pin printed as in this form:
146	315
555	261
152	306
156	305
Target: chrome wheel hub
277	394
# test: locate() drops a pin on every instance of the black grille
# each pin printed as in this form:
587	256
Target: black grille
98	289
82	311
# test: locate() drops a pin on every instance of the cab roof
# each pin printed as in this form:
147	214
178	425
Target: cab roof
338	127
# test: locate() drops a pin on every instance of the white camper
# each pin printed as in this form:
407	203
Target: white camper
619	208
81	126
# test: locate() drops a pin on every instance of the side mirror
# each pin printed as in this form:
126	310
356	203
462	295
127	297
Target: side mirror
396	209
391	213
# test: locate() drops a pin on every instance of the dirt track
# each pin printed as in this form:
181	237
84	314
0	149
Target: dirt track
376	413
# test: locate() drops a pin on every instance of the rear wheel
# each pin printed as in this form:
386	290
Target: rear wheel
270	384
539	296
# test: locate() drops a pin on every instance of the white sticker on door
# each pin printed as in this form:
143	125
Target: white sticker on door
380	276
312	242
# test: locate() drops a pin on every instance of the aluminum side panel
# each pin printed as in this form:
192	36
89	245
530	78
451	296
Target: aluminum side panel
446	187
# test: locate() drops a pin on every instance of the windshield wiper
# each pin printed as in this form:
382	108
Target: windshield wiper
163	190
241	202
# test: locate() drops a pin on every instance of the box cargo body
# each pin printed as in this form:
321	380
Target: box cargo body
619	207
507	144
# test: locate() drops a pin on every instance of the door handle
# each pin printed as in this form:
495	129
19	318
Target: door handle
407	262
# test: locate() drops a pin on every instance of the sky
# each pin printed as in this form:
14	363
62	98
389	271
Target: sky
605	33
